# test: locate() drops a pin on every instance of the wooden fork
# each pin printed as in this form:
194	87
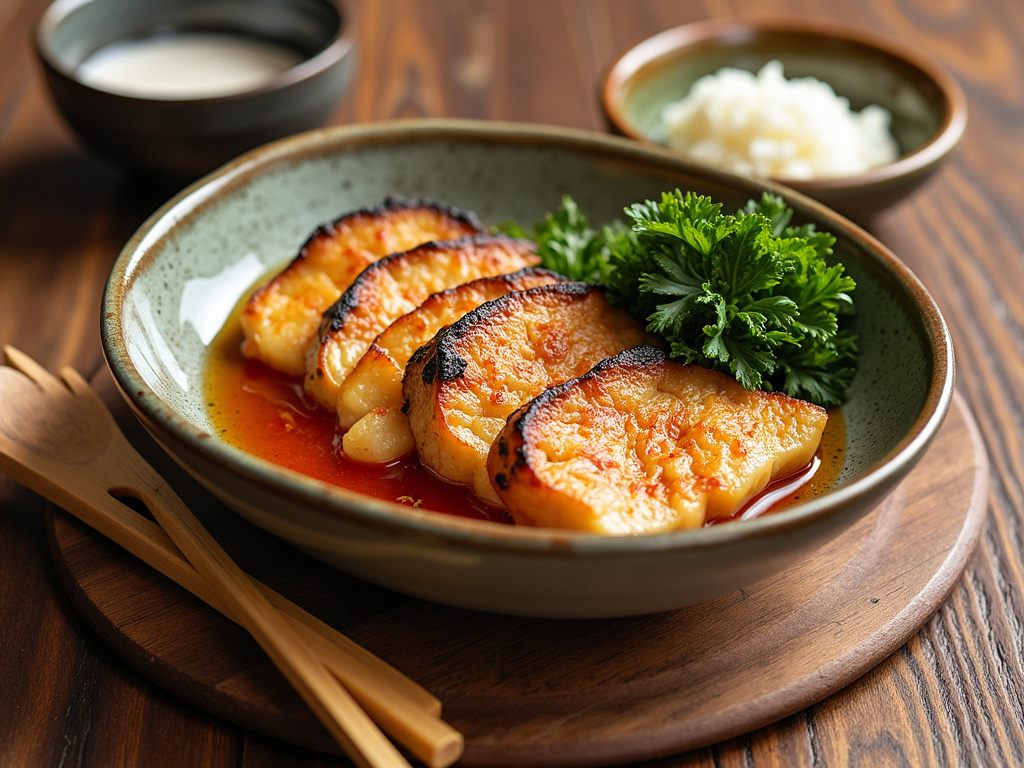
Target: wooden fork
58	438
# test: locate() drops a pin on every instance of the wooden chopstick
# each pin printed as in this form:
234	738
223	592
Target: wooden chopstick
396	703
350	726
406	711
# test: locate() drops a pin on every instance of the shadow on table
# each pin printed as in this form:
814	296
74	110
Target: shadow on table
59	204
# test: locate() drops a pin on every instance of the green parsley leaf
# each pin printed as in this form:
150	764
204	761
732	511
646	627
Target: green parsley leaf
568	245
748	294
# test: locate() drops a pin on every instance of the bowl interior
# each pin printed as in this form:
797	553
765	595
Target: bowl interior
662	69
73	30
178	280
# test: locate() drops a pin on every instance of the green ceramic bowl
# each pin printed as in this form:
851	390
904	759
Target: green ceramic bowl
178	278
928	108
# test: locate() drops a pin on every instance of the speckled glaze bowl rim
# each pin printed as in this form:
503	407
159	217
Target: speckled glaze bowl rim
382	515
340	45
670	44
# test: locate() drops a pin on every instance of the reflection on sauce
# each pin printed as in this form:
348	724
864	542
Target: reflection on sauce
266	414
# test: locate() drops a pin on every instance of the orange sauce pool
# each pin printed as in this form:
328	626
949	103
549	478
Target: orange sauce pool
266	414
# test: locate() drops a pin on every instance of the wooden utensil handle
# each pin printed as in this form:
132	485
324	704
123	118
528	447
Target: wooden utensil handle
402	708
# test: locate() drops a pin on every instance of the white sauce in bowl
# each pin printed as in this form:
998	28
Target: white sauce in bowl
187	65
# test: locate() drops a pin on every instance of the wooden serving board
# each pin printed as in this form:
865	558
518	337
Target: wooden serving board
558	693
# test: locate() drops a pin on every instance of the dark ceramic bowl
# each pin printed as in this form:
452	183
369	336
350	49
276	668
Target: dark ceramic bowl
179	278
180	139
928	108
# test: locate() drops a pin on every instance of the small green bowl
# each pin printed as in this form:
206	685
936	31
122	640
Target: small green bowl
929	111
179	277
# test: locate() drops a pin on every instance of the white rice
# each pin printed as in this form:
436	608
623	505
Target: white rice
788	129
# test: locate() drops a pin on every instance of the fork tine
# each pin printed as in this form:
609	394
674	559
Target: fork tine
22	362
88	397
77	383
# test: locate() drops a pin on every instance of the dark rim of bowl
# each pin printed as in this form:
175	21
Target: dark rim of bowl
667	45
332	501
338	47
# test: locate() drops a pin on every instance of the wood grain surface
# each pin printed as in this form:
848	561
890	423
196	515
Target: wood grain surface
951	696
554	693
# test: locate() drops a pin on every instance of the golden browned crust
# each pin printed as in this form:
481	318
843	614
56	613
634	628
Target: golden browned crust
643	444
370	399
460	387
393	286
377	378
282	317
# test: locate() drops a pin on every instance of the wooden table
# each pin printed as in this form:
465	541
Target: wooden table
953	695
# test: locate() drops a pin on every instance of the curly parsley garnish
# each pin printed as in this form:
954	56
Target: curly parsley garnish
746	294
568	245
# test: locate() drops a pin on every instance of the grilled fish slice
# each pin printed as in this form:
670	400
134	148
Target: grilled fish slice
393	286
370	400
282	317
644	444
461	387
